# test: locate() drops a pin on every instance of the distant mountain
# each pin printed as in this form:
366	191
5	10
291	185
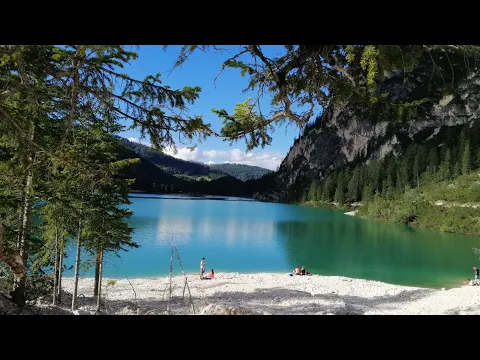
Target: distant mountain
164	174
182	168
166	162
148	175
240	171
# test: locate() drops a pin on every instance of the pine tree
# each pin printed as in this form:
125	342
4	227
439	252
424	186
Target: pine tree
326	188
419	163
433	159
466	165
301	74
304	197
353	189
48	91
312	192
457	169
445	167
320	190
376	175
367	194
340	189
478	158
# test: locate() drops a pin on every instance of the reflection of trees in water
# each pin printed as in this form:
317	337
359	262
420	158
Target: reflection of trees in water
368	249
232	230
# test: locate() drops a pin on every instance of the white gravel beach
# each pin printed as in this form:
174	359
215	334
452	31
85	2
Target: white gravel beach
273	294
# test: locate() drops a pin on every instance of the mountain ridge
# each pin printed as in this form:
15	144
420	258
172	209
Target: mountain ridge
180	167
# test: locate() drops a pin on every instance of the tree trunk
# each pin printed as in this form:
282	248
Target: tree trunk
55	273
11	258
99	284
18	293
21	214
60	270
97	272
77	267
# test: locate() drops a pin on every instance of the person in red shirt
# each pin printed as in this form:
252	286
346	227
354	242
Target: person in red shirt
212	274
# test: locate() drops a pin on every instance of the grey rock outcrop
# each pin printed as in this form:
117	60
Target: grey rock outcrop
346	131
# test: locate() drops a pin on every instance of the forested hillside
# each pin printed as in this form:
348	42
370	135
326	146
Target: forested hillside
148	177
435	184
166	162
193	170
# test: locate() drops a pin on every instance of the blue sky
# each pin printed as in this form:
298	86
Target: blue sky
200	70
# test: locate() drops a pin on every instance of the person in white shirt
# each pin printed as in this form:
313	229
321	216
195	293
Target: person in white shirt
202	268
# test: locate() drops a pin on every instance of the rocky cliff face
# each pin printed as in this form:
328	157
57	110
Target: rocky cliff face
347	131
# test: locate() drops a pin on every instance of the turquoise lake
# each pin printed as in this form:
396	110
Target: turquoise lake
247	236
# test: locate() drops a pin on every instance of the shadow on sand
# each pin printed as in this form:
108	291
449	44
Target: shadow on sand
276	301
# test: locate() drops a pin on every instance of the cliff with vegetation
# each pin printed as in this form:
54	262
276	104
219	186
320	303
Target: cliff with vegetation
380	155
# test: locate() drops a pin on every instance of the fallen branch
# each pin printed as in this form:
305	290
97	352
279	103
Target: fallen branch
136	302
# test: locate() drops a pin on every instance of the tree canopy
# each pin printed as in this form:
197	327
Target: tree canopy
306	79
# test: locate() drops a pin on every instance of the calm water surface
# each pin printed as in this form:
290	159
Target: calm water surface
248	236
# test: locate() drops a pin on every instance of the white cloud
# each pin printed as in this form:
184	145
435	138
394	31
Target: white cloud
136	140
266	159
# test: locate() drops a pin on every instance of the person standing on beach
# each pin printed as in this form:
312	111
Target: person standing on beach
202	268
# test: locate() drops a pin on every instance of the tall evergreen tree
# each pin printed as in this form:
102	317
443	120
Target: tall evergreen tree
312	192
457	169
329	188
53	87
367	194
445	169
478	159
353	189
321	75
433	160
419	163
466	164
340	189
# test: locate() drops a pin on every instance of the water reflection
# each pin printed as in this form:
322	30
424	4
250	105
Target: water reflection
257	237
174	229
385	252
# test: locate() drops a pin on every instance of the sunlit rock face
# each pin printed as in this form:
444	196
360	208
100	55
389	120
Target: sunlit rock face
346	131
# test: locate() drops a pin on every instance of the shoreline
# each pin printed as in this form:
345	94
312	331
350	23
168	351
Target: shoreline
272	294
254	273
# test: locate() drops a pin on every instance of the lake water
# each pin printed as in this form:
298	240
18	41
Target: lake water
249	236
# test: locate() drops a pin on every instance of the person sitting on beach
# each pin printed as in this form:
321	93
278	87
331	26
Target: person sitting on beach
476	272
468	282
303	271
296	271
212	274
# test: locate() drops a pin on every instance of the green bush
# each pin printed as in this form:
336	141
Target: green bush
421	213
6	278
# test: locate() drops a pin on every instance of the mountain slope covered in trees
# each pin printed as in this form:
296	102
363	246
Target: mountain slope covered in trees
190	169
240	171
435	185
388	160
